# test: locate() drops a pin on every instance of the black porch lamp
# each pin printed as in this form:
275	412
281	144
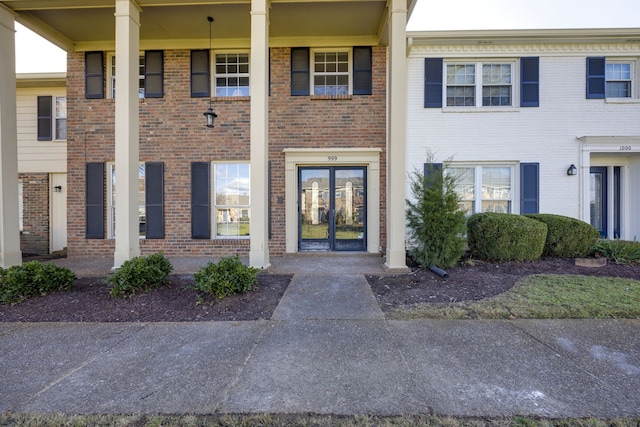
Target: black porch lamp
573	170
209	114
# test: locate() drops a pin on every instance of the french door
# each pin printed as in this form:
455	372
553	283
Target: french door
332	208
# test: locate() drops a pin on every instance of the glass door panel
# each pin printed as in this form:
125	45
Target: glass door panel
349	190
315	209
332	209
598	199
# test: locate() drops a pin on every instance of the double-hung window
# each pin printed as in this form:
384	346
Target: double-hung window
232	74
484	188
231	200
142	217
618	79
479	84
52	118
150	75
331	72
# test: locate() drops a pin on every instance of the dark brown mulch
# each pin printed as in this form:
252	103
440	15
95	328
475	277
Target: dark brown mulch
474	281
89	301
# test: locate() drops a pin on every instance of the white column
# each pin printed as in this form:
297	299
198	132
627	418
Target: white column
9	227
396	140
259	81
126	131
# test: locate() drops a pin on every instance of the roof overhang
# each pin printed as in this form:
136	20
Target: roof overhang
498	37
76	25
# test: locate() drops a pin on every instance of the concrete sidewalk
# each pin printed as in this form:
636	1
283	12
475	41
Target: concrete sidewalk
328	350
463	368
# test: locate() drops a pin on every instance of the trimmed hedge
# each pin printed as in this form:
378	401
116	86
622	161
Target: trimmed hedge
567	237
32	278
227	277
140	274
505	237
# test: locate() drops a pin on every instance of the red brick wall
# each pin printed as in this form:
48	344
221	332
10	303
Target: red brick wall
172	131
34	238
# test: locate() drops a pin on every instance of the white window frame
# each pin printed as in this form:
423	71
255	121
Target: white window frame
478	198
112	76
111	211
479	84
230	91
59	116
632	77
20	204
313	73
227	207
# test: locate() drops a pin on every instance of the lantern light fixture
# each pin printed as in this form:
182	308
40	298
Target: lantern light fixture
573	170
210	115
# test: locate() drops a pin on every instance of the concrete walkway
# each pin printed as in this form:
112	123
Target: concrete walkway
328	350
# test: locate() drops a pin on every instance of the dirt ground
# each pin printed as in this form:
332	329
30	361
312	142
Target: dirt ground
89	300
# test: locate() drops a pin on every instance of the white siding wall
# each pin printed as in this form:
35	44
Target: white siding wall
545	134
33	155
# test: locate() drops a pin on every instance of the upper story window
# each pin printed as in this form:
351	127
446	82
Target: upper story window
618	80
150	75
331	72
610	78
479	84
232	74
52	118
482	83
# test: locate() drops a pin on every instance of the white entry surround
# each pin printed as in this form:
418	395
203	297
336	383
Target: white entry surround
368	157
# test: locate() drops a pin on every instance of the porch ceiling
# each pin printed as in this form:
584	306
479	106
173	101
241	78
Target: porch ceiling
84	24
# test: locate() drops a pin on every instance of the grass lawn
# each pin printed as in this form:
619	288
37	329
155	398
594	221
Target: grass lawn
59	420
543	297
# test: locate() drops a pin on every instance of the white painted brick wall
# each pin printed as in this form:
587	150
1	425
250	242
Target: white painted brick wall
545	134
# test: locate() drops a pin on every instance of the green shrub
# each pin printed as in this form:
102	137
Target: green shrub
567	237
20	282
140	274
436	223
619	251
227	277
505	237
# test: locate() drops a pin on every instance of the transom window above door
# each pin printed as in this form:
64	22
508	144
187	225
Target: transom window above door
479	85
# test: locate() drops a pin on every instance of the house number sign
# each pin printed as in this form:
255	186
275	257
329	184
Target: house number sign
625	148
332	158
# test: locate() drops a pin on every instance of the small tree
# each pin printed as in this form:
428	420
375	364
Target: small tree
436	222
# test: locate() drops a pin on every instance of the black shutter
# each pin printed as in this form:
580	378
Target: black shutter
530	82
153	74
300	83
94	75
94	198
362	75
529	188
200	76
200	200
596	77
430	168
433	83
154	199
45	119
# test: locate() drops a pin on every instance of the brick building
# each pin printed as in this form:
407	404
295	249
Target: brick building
308	113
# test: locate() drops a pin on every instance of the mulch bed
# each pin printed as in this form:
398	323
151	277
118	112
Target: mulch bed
89	299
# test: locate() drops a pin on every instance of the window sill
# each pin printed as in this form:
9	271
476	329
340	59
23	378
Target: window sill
480	110
331	97
230	98
622	101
